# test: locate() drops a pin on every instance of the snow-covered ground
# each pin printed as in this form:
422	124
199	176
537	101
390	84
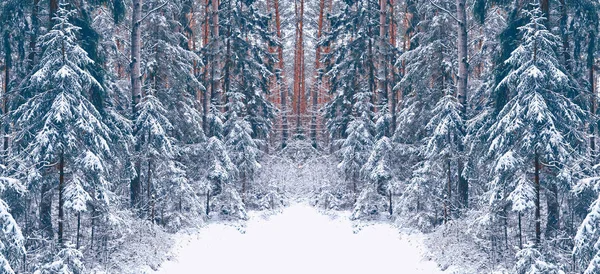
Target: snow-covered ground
299	240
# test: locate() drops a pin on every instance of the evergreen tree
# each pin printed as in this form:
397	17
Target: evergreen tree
59	125
12	242
376	196
532	124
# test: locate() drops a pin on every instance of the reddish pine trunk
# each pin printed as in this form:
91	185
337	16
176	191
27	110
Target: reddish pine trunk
318	88
299	100
281	83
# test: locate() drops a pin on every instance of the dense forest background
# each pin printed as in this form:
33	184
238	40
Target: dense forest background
472	120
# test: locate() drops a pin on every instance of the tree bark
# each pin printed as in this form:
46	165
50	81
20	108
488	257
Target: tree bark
136	94
317	89
281	82
564	18
463	183
215	88
538	220
552	223
78	229
149	192
53	10
593	103
299	96
7	68
520	233
61	200
35	23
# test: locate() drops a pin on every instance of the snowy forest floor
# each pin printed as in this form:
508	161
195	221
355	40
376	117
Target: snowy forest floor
298	240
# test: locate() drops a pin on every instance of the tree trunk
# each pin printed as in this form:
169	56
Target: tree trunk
35	23
78	229
520	233
93	229
7	67
593	104
46	210
463	183
281	82
382	70
564	18
136	94
391	209
149	192
552	224
448	210
207	202
299	99
538	220
317	89
53	10
61	200
545	7
215	89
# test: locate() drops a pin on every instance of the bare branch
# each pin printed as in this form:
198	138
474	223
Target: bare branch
152	11
446	11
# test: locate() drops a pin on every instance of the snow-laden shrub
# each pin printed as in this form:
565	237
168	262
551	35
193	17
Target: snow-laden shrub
531	261
67	261
370	204
228	204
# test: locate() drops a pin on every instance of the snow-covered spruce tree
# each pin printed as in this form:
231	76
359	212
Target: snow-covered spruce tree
12	242
350	65
539	125
446	132
376	197
242	149
171	67
355	149
427	68
59	127
586	251
222	195
241	48
156	147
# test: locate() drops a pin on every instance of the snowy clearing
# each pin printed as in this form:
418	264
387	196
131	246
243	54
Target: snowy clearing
299	240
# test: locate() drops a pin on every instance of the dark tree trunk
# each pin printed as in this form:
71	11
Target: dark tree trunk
564	18
78	229
463	183
520	233
61	200
53	10
552	224
46	210
593	103
207	202
538	219
7	68
150	197
35	23
136	94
